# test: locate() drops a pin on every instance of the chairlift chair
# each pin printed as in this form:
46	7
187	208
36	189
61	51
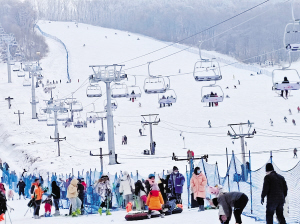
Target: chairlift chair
289	73
79	123
114	105
92	117
207	70
119	90
77	107
27	82
21	74
207	97
134	91
42	116
291	36
62	116
93	91
39	76
16	68
169	97
50	121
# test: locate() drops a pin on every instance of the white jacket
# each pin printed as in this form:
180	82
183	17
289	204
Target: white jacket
126	185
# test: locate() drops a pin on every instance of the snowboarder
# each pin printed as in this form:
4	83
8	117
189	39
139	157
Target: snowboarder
236	200
275	189
56	196
271	122
285	80
285	119
21	185
48	205
155	201
198	183
72	194
140	131
127	187
209	123
3	206
295	153
175	183
103	189
294	122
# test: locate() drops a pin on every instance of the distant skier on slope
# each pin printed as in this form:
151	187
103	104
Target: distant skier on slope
271	122
294	122
285	119
295	153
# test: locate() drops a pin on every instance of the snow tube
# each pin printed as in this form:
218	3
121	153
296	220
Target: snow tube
175	211
140	215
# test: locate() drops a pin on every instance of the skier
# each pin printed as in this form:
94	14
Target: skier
295	153
127	187
155	201
72	194
56	196
209	123
3	206
236	200
125	139
103	189
133	98
48	205
294	122
285	119
298	108
275	189
175	183
271	122
140	131
198	183
285	80
21	186
290	111
140	105
211	104
239	82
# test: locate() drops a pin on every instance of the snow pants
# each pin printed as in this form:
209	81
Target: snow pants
37	205
76	203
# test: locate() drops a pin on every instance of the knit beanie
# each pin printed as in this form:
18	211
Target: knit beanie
151	175
175	168
269	167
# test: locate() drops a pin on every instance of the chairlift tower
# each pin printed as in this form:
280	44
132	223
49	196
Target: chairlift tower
32	72
150	123
108	74
9	41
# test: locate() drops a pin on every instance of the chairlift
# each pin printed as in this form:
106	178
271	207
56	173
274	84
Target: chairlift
16	68
291	36
212	94
76	107
21	74
92	117
79	123
42	116
168	98
49	87
119	90
292	76
67	123
156	84
39	76
114	105
50	121
26	82
62	116
93	91
134	91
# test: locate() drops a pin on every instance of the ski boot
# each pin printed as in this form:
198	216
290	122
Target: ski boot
108	212
78	212
100	211
74	214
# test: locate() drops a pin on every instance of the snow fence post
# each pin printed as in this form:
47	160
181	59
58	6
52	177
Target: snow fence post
271	157
235	169
204	171
188	186
250	182
218	172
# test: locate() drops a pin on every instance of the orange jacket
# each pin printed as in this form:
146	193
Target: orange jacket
38	192
154	200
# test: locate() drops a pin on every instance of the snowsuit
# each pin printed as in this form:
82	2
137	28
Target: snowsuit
56	195
275	189
198	183
48	205
148	185
103	189
155	201
236	200
127	187
21	185
175	183
72	194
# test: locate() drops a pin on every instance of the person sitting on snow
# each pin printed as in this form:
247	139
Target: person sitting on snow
155	201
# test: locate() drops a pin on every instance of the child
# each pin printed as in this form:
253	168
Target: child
155	201
48	205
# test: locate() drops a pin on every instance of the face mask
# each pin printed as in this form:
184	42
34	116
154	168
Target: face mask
175	172
198	171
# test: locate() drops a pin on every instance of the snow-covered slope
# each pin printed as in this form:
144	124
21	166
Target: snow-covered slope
29	146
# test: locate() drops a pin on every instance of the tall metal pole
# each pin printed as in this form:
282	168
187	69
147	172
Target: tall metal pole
8	63
33	102
56	125
151	137
243	150
110	126
58	144
101	160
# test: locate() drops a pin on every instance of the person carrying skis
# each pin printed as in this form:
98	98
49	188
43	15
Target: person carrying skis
37	194
103	189
198	183
155	201
175	183
72	194
21	185
295	153
127	187
48	205
56	196
3	207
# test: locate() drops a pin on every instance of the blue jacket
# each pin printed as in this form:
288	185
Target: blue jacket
176	182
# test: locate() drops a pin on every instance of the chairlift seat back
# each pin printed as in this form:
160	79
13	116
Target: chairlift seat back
168	101
208	78
286	86
211	99
149	91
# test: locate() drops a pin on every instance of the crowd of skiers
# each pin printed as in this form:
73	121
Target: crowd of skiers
162	195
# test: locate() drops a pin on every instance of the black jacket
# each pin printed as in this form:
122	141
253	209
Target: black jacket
274	188
139	187
3	207
80	190
55	190
21	185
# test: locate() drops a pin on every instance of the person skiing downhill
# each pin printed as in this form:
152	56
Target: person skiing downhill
271	122
285	119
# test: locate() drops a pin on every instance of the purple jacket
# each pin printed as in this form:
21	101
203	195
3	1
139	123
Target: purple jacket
177	182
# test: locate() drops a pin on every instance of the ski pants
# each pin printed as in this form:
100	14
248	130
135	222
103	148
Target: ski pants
76	203
239	206
36	206
82	201
56	204
271	208
21	192
48	208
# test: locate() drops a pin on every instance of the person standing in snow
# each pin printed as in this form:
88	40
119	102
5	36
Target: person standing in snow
275	189
21	185
103	189
63	188
295	153
209	123
72	194
127	187
294	122
81	195
175	183
125	139
285	119
83	183
198	183
271	122
149	183
48	206
36	193
56	196
3	207
140	191
298	108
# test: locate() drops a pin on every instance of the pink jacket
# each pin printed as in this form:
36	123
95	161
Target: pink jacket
198	183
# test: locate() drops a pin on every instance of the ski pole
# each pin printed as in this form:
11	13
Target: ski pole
9	218
26	211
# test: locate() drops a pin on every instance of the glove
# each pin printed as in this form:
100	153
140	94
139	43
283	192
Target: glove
262	201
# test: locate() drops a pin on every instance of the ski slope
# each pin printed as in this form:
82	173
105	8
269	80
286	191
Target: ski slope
29	145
